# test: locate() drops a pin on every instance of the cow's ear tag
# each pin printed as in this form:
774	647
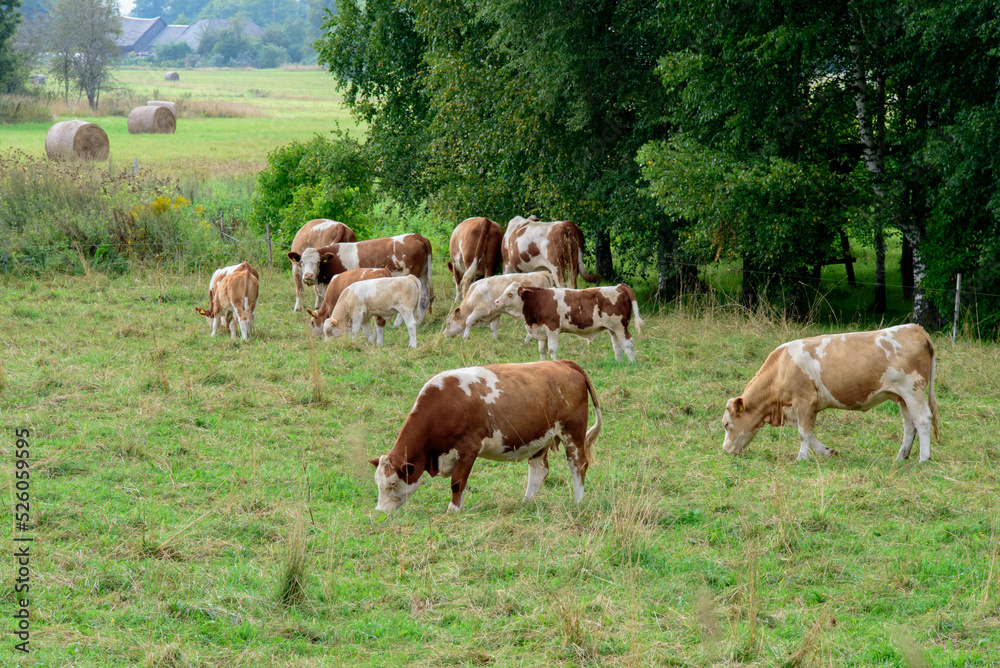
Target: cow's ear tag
738	404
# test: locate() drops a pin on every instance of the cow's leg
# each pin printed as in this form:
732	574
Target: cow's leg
616	344
920	412
411	327
469	322
379	334
297	281
231	320
541	350
576	458
909	432
459	478
357	322
553	340
320	293
495	327
538	471
366	327
805	416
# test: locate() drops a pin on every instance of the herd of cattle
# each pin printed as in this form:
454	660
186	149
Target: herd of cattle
512	412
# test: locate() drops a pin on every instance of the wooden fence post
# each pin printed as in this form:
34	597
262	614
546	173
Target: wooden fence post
958	287
270	259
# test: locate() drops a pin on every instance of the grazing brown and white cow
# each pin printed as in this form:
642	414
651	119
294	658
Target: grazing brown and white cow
530	245
232	292
402	255
503	412
587	313
475	252
315	234
855	371
396	295
479	305
333	290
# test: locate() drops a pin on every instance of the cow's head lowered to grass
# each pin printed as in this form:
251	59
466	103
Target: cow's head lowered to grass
395	487
740	426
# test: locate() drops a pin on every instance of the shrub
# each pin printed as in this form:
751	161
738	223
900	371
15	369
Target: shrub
324	178
172	51
55	214
270	56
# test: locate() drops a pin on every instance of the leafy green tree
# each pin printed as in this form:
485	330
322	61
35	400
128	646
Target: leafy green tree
10	17
83	35
373	48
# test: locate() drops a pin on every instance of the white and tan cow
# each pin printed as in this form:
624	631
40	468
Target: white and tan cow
315	234
378	297
530	245
402	255
502	412
333	290
474	249
479	305
586	313
232	292
854	371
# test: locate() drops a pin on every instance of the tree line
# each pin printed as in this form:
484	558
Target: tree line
680	134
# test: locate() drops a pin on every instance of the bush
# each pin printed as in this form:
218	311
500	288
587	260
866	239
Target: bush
172	51
270	56
55	215
23	109
324	178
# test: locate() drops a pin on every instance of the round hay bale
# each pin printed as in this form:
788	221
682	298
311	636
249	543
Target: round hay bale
172	76
161	103
151	119
79	139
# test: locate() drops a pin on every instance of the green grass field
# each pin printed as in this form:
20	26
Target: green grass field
281	106
175	476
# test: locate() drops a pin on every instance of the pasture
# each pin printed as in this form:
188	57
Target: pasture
228	119
177	478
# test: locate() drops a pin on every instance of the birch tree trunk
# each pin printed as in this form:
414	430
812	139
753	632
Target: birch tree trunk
873	156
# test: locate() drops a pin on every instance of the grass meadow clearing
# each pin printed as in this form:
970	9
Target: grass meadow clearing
179	481
229	120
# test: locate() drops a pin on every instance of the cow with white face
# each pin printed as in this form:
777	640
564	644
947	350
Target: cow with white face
853	371
315	234
379	297
557	247
232	297
502	412
402	255
333	291
479	305
549	311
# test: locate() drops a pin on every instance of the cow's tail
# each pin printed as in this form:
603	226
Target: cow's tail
581	267
593	432
931	399
635	311
478	256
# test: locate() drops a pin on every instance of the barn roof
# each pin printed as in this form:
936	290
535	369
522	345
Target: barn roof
137	31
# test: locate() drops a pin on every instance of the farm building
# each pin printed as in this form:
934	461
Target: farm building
141	35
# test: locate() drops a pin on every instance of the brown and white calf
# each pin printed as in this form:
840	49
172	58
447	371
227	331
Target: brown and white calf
479	305
379	297
854	371
587	313
315	234
530	245
502	412
333	290
402	255
475	252
232	292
